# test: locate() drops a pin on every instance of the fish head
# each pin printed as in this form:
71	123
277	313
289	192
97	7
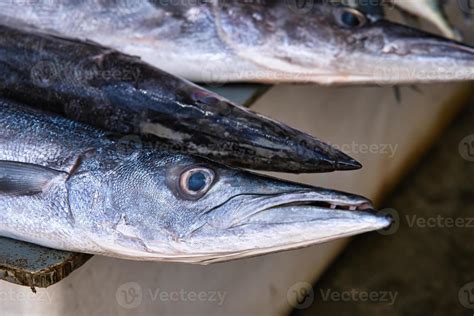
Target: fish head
396	53
336	44
184	209
385	52
379	51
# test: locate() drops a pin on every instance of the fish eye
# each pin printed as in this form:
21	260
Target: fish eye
195	182
351	18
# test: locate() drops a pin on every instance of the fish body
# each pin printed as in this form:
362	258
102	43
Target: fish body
102	87
69	186
432	11
262	41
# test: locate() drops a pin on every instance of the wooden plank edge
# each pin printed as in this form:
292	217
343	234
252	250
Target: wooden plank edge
45	277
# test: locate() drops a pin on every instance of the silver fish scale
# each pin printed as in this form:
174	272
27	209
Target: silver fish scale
56	147
42	217
30	136
112	176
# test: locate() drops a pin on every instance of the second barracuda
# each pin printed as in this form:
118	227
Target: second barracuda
120	93
273	41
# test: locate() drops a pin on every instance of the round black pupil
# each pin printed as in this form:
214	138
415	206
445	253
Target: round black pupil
350	19
197	182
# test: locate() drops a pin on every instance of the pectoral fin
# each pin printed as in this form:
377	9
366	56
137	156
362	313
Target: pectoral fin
18	178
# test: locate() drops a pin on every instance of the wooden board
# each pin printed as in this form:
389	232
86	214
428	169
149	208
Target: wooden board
35	266
349	117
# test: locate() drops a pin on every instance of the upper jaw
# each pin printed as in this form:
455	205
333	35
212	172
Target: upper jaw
304	206
422	46
327	200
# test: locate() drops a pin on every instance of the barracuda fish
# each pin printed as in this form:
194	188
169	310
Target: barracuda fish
431	10
69	186
261	41
102	87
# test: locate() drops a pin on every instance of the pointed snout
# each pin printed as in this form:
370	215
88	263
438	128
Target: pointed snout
313	155
246	139
254	224
278	147
413	56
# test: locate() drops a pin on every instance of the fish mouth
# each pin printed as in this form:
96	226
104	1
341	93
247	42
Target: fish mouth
302	209
268	224
408	55
409	41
